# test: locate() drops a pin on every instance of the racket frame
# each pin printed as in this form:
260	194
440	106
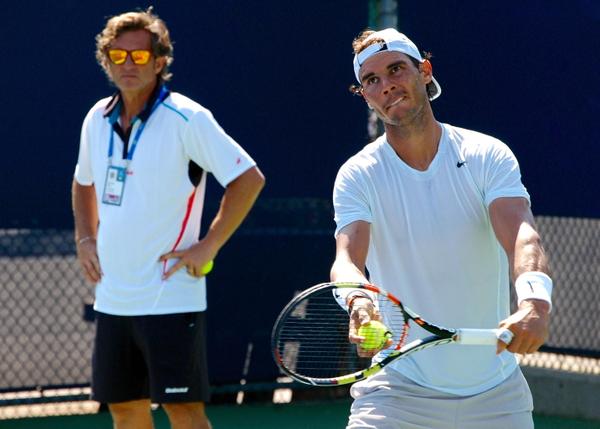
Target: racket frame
440	336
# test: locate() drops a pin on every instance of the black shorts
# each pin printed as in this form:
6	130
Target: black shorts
161	357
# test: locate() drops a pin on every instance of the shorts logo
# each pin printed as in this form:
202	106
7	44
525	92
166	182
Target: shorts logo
177	389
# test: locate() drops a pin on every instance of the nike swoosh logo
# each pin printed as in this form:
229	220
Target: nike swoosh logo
530	286
460	163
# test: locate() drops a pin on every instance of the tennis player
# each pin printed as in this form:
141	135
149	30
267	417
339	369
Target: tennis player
439	217
138	195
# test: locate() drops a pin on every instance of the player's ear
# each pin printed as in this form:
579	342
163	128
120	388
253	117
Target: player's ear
356	90
159	64
427	70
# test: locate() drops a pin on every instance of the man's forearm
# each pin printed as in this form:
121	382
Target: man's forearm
85	211
529	252
238	199
346	271
352	246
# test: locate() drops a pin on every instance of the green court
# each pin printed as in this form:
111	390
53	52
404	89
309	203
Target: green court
299	415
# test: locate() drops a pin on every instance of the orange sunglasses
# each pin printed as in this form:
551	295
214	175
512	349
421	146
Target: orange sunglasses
138	56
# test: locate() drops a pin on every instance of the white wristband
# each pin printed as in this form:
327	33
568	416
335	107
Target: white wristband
534	285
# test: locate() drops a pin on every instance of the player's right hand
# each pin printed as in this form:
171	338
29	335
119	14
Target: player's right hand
363	311
88	259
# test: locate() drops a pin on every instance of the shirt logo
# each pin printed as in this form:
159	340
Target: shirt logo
460	163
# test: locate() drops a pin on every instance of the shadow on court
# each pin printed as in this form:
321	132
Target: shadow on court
301	415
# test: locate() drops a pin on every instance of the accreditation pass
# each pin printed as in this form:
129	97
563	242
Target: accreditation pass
114	186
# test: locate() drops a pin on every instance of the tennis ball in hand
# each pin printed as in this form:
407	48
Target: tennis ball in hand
375	333
207	268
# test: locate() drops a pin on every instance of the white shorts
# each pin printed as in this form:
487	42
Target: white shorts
388	400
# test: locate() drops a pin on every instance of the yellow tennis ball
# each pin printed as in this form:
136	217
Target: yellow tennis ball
207	268
375	333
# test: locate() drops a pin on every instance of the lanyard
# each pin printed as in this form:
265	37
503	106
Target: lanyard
138	133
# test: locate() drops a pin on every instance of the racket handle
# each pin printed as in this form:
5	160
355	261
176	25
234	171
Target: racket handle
483	336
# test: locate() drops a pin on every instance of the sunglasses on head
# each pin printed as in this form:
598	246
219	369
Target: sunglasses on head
138	56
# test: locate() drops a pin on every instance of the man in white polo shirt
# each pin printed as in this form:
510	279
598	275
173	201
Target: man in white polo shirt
439	217
138	195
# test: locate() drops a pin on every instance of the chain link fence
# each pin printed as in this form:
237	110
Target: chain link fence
573	247
43	337
46	334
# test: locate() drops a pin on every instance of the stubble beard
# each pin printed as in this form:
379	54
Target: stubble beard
413	121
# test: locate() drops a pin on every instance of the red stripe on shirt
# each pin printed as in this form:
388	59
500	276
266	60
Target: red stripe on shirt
186	218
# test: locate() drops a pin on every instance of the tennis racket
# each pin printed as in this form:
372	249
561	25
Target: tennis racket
310	337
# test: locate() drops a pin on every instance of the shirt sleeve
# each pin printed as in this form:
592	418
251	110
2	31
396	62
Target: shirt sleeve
207	144
503	176
350	201
83	170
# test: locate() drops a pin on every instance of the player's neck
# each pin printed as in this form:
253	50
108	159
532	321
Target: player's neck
133	103
416	144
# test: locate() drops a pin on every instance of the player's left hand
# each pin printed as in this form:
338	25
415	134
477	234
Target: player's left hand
529	324
193	259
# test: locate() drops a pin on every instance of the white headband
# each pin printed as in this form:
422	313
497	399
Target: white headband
393	40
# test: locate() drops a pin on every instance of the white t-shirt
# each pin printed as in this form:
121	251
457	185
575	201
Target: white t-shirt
161	209
433	246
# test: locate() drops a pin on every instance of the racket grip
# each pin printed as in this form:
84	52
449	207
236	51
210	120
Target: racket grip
482	336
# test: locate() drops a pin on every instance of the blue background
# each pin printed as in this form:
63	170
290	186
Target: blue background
275	74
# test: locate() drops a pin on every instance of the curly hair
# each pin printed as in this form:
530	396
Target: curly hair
131	21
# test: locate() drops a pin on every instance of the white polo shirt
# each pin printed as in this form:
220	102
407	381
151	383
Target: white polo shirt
433	246
161	208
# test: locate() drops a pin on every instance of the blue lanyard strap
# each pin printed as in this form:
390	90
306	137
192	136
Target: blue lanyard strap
138	133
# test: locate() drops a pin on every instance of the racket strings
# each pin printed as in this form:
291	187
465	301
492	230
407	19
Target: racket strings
313	337
393	315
